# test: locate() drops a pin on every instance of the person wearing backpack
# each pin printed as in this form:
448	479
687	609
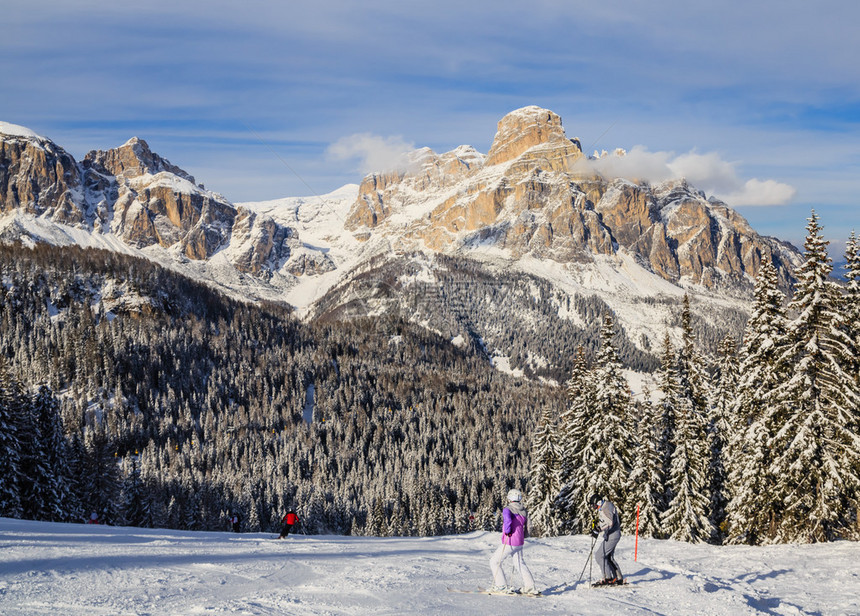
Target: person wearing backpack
609	525
289	520
514	532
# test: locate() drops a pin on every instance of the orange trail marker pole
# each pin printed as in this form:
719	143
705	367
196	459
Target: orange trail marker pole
636	545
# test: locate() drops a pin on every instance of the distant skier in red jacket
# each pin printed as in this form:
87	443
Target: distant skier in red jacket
289	520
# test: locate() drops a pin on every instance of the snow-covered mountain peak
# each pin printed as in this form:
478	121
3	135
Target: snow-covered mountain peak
135	142
14	130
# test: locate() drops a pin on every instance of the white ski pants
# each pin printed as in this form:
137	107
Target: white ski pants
604	556
510	551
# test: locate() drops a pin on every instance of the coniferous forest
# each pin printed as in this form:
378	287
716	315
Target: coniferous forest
151	400
759	444
178	406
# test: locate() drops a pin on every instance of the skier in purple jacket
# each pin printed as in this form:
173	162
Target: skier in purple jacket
514	531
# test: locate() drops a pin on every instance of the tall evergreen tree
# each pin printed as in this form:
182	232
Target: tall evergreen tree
721	425
135	509
100	487
544	484
667	409
607	459
47	411
817	447
38	497
752	509
10	495
575	439
687	514
851	300
692	379
647	479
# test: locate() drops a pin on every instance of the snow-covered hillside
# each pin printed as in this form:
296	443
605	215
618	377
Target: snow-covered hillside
79	570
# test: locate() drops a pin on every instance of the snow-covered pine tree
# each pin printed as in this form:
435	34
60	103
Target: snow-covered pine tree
47	413
35	481
851	301
763	344
666	409
752	508
10	496
647	481
376	522
397	524
720	427
486	510
687	514
134	511
574	438
606	459
816	452
544	484
686	517
692	378
100	480
851	307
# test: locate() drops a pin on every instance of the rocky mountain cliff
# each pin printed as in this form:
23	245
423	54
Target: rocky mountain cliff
135	195
535	195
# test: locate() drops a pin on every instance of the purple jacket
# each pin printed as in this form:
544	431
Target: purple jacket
514	524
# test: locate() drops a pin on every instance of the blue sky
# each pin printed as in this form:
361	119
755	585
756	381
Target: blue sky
259	100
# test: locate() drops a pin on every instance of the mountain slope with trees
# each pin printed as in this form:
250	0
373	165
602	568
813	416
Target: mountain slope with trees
179	405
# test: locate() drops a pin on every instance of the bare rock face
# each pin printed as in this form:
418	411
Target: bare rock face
531	195
39	178
133	159
525	128
169	211
260	243
426	171
309	263
140	197
159	203
370	208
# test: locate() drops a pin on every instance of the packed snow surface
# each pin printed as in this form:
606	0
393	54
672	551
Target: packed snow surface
83	570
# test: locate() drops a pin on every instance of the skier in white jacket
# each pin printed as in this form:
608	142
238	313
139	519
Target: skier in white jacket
609	526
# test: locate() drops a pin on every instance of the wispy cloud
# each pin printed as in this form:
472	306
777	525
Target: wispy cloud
372	153
776	89
708	172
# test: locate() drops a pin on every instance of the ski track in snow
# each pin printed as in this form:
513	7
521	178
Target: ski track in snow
82	570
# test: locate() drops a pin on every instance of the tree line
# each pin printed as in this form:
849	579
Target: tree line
758	445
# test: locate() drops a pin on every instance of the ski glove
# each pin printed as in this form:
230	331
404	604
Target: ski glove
594	532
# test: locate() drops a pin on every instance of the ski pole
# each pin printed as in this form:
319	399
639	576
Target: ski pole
587	562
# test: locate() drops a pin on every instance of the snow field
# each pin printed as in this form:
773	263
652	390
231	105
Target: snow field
78	570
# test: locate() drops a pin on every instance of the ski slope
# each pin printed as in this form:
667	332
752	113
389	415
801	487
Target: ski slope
83	570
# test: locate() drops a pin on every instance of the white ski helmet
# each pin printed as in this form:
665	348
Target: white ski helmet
515	495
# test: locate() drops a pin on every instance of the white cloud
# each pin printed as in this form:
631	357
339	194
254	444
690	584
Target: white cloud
706	172
373	152
761	192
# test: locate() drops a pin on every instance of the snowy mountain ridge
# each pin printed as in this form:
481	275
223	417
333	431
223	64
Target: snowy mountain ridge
525	208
